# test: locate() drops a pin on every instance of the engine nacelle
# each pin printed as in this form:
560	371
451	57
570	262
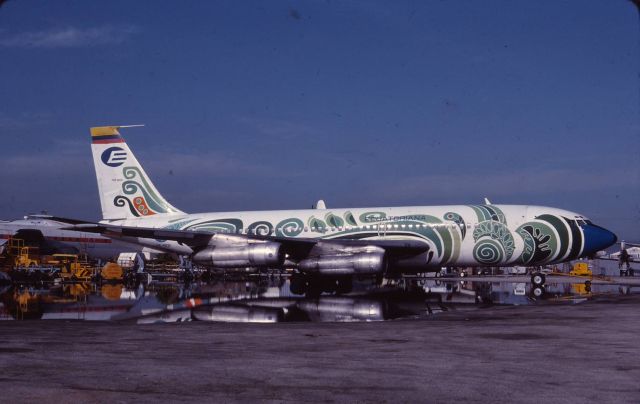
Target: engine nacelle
343	309
251	255
238	314
352	264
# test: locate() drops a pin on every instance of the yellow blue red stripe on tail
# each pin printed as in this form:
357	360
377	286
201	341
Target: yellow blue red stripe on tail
106	135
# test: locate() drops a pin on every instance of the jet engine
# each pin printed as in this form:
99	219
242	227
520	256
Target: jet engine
250	255
351	264
343	309
238	314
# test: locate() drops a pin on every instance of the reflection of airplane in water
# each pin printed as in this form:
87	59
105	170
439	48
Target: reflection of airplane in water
44	232
272	300
508	293
220	301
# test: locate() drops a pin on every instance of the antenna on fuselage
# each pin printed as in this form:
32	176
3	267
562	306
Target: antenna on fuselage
320	205
487	201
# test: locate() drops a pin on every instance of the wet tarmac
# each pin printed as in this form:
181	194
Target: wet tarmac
441	342
263	299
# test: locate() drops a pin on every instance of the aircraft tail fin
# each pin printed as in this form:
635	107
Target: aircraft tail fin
125	189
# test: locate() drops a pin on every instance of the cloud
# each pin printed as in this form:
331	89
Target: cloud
70	37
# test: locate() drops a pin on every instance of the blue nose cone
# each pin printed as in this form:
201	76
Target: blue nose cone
597	238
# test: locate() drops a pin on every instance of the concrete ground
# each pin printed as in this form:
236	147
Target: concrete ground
580	353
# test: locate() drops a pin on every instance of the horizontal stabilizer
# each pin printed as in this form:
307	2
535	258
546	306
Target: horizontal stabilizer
190	238
57	219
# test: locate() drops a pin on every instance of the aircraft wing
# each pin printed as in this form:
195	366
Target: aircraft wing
629	244
297	248
193	239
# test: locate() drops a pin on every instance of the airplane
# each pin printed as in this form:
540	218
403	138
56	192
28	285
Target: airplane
334	242
633	255
633	250
45	232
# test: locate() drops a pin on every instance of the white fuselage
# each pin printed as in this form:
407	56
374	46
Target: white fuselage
459	235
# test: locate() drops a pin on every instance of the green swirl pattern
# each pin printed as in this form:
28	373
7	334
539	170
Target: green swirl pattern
155	201
261	228
317	225
122	201
488	251
529	247
333	220
217	226
496	231
545	242
291	227
489	212
349	219
179	225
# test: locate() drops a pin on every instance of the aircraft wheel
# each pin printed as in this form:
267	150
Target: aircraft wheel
538	279
537	291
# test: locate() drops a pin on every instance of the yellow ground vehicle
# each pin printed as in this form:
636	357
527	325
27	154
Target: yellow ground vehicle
581	288
72	266
112	272
22	255
77	290
111	291
581	269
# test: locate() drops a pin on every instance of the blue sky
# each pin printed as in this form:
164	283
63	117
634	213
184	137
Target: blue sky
274	104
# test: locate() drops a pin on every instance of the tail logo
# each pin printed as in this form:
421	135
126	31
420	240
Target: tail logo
114	157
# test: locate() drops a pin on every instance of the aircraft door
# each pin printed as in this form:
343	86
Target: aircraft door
382	229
